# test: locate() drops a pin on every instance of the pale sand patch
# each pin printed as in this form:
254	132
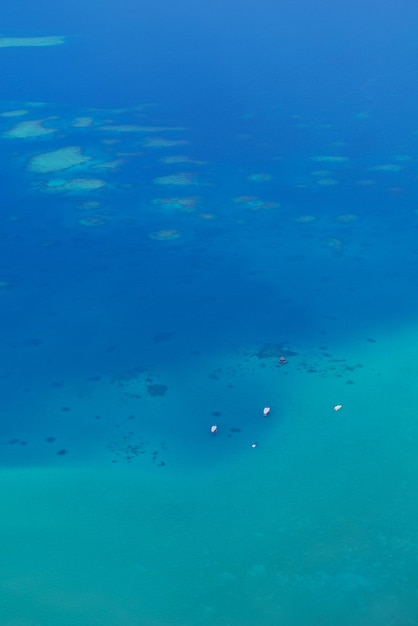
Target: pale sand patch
181	159
82	122
134	128
57	160
260	178
386	167
160	142
16	113
30	129
60	185
165	235
181	179
330	159
37	42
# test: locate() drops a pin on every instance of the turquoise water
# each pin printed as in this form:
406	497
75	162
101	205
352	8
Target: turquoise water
171	225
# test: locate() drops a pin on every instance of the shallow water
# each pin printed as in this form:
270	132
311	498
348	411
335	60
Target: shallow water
318	519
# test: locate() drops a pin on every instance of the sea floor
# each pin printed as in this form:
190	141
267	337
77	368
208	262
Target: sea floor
315	525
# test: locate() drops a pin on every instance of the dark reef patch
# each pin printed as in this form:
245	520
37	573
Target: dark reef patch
157	390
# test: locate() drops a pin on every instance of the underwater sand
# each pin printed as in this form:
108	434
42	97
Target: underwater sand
319	519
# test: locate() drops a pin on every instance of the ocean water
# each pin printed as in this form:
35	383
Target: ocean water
189	193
